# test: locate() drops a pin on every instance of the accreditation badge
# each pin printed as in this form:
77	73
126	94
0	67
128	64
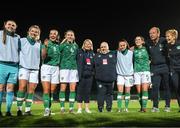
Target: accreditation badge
88	61
105	61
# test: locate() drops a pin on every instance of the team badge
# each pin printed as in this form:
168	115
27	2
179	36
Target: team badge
178	47
100	86
20	75
72	50
110	56
44	77
160	47
99	55
171	73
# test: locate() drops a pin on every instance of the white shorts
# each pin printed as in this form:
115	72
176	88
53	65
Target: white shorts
68	76
50	73
126	81
31	76
142	77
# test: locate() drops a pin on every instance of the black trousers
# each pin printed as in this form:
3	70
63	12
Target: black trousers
84	90
157	79
105	93
175	77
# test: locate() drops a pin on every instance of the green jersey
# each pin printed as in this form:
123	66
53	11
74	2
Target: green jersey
141	60
53	54
68	55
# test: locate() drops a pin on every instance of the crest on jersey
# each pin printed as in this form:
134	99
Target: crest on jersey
54	48
100	86
72	50
178	47
110	56
160	47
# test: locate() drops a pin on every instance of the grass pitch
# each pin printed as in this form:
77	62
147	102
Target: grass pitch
106	119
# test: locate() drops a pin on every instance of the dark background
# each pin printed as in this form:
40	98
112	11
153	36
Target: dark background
108	20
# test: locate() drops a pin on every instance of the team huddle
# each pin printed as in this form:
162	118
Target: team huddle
153	62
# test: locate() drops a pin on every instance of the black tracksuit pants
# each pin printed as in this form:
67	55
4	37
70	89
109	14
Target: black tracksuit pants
104	93
175	77
84	90
156	82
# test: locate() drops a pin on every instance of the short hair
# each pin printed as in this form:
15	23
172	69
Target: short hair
157	29
105	44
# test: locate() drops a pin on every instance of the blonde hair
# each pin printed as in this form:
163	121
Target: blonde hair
58	36
173	32
39	31
105	44
87	40
65	34
69	31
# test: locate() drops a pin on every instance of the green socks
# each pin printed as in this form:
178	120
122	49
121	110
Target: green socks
62	99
